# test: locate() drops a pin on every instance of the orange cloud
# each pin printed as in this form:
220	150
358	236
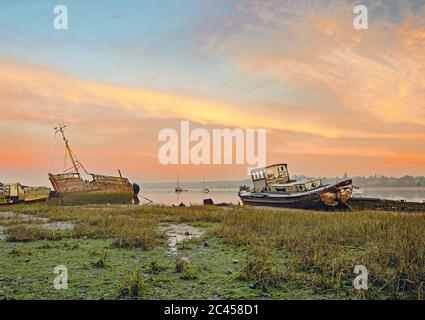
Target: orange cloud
378	72
55	92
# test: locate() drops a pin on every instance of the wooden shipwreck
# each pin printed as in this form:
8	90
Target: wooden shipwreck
11	193
72	189
273	187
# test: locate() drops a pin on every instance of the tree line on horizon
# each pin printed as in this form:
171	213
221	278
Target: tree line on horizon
382	181
358	181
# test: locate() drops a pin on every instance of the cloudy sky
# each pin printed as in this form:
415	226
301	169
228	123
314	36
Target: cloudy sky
333	99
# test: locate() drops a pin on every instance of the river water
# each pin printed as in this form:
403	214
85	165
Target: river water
190	197
230	195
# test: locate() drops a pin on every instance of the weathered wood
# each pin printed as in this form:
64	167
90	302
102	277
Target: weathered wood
11	193
102	189
72	189
273	187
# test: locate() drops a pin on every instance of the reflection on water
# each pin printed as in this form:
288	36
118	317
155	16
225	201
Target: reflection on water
196	196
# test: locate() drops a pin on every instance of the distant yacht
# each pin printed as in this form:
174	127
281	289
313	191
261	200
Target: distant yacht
178	188
205	189
357	192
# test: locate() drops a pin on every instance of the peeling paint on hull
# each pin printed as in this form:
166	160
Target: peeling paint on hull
79	198
104	189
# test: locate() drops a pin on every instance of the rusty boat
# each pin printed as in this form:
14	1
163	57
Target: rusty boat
11	193
272	186
71	188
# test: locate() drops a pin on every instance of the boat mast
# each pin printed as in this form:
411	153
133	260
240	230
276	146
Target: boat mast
205	190
178	179
75	163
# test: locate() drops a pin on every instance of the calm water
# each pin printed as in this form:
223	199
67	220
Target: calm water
195	196
408	194
192	196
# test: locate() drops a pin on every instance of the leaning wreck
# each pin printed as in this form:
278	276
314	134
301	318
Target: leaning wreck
72	189
273	187
11	193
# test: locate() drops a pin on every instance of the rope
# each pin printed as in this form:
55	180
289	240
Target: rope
53	156
64	161
149	200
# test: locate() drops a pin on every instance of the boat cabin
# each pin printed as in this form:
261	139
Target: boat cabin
297	186
275	178
265	177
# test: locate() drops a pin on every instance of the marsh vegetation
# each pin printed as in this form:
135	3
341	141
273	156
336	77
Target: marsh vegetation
123	252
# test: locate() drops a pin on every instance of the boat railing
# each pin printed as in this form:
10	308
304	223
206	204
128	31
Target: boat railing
71	175
109	179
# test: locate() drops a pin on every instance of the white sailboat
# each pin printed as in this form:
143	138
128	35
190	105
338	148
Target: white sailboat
205	189
178	188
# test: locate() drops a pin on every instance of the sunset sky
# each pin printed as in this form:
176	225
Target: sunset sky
333	99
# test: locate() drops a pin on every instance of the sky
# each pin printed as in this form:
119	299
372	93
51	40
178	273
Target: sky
333	99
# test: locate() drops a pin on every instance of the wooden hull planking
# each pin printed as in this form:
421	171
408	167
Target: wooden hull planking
97	197
73	190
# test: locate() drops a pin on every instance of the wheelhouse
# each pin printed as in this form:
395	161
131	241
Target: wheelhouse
275	178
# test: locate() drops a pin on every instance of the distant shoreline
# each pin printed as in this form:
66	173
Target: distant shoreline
170	187
395	187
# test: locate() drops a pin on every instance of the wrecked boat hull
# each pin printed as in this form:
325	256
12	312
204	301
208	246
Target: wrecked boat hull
325	198
12	193
101	197
71	189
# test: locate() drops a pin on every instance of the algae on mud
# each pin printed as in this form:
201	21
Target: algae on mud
245	253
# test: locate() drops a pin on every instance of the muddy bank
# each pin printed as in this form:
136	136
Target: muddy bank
22	217
363	203
2	236
28	221
58	225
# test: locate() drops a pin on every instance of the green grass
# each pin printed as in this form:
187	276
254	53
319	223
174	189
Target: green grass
246	253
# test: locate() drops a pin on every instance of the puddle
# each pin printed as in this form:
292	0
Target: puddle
177	233
6	214
22	216
58	225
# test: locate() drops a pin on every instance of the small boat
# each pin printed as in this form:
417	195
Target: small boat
178	188
357	192
273	187
205	190
11	193
72	189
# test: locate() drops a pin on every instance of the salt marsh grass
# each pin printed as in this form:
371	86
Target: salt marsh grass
312	251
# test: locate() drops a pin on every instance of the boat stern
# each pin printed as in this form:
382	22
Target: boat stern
338	193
